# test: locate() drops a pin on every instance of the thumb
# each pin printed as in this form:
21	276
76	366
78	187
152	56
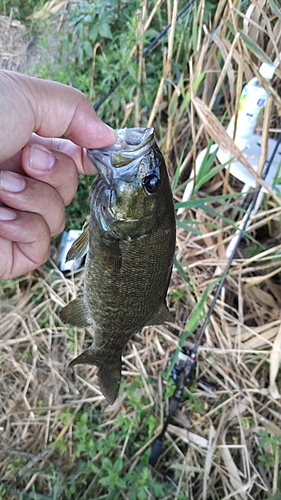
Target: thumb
48	108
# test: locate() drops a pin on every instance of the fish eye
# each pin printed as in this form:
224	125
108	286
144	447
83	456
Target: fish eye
151	183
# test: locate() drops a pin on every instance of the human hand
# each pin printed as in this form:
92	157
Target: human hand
39	173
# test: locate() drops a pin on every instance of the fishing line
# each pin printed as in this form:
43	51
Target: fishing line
189	357
146	51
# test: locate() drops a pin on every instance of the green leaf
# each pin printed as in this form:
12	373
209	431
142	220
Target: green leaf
84	417
141	494
152	33
278	14
88	49
201	202
89	18
118	466
76	20
177	173
188	227
209	175
180	269
106	463
104	31
132	71
93	33
173	105
254	47
196	317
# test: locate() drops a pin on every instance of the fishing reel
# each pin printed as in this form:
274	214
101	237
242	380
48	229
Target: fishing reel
181	365
181	373
186	363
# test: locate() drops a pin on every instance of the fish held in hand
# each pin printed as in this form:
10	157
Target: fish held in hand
130	244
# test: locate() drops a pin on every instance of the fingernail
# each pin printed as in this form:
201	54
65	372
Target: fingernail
40	158
10	181
114	132
7	214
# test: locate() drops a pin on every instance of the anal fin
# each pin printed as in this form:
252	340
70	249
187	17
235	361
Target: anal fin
76	314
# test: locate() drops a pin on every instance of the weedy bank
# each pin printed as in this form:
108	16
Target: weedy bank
59	439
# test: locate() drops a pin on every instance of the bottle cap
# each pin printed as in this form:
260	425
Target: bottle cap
267	70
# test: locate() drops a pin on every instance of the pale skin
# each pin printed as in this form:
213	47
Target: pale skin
38	171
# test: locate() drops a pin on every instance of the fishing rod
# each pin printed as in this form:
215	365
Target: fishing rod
187	359
145	52
185	364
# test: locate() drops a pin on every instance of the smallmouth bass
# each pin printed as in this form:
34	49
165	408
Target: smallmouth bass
130	245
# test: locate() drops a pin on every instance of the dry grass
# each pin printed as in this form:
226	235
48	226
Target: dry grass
13	53
213	447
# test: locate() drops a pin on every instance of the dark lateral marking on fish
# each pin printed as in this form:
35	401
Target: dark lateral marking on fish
111	253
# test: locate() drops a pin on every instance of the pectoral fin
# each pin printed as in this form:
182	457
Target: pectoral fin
80	246
163	315
76	313
109	372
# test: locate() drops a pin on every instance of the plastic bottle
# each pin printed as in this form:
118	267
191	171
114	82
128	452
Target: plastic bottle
251	104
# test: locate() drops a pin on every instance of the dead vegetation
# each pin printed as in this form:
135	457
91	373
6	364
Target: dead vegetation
13	53
214	448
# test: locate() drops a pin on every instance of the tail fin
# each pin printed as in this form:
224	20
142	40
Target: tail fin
109	373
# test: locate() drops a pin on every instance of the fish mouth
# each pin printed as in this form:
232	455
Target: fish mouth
122	159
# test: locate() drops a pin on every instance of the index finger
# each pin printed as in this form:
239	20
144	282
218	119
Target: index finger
79	155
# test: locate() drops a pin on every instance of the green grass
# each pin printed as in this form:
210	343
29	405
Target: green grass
98	464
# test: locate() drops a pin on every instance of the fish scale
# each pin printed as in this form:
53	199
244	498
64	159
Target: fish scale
135	286
130	248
